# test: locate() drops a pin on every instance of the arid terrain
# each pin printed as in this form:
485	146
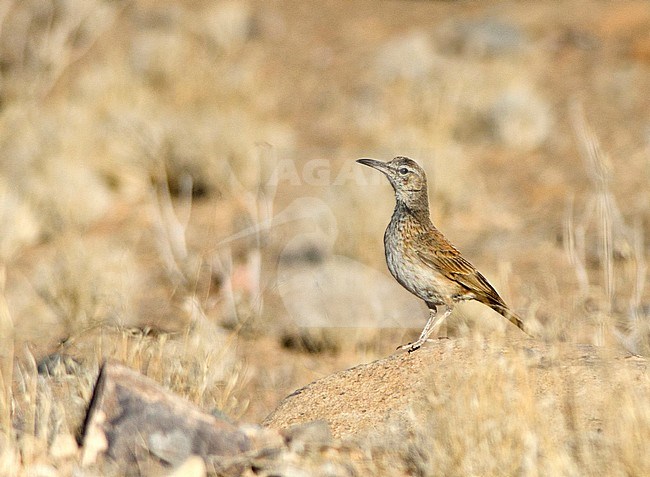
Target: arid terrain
179	192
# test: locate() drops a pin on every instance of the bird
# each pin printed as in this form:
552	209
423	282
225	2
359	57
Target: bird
422	260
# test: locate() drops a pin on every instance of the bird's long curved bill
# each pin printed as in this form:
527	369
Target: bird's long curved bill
375	164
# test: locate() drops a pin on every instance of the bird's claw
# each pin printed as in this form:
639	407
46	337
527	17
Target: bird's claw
410	347
415	345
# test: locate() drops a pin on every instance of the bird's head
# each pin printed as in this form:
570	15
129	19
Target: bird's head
407	178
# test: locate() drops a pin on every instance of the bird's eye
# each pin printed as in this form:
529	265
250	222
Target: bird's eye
403	170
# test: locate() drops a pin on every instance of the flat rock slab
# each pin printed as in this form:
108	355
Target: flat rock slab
132	420
569	387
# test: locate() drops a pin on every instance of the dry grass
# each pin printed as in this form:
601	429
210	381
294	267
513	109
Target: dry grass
141	218
502	418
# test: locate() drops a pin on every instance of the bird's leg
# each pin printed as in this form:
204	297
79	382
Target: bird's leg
434	321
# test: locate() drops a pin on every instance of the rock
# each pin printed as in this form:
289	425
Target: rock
132	418
228	24
371	396
481	38
520	118
354	400
410	56
441	410
467	407
343	292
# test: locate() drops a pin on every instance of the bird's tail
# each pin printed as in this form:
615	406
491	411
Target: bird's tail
511	316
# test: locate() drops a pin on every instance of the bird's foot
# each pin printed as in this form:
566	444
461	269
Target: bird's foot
410	347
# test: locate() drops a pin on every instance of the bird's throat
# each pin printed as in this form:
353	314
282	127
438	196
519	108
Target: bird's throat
417	208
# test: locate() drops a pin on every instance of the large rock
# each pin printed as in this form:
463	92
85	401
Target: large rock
473	407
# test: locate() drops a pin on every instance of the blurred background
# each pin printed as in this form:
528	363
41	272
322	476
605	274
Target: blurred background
178	187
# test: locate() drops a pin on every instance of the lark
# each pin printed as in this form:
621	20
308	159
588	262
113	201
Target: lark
422	260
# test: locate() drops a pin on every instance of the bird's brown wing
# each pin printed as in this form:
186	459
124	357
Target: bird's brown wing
435	251
438	253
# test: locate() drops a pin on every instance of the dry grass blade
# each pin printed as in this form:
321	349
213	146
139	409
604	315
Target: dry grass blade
171	228
636	339
602	215
6	356
574	247
598	168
